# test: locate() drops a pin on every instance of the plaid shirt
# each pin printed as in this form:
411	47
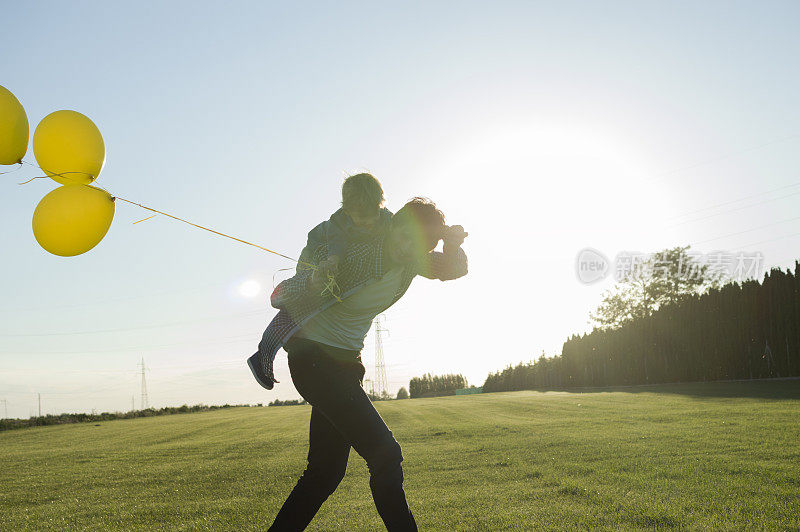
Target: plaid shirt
362	264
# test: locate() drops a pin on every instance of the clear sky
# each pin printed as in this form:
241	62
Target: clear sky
542	128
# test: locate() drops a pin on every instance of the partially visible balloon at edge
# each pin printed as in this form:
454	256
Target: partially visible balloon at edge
14	129
69	147
73	219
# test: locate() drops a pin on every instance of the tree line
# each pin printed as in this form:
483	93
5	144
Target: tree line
433	385
288	402
741	330
60	419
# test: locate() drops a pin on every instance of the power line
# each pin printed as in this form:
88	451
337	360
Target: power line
733	210
727	155
733	201
229	340
155	326
745	231
770	240
87	391
111	300
194	365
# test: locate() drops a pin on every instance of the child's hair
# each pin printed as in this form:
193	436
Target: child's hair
362	193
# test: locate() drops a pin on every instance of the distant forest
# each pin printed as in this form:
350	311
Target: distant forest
433	385
60	419
745	330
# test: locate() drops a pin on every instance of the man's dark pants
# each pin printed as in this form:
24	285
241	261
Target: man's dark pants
341	416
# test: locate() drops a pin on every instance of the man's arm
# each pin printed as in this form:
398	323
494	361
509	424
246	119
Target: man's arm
451	262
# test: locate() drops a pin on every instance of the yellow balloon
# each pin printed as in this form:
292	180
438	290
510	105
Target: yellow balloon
69	148
72	219
13	128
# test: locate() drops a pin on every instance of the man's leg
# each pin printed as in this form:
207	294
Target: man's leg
327	462
335	392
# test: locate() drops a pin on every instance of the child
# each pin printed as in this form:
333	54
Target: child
361	217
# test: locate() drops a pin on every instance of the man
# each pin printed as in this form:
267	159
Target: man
324	336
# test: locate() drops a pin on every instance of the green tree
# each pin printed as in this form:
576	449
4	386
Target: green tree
432	385
402	393
663	278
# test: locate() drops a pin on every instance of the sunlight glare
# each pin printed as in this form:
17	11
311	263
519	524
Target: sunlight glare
249	288
567	185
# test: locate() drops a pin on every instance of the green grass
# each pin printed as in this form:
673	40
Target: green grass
721	456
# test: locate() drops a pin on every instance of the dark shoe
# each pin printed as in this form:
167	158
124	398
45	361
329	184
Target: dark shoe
264	378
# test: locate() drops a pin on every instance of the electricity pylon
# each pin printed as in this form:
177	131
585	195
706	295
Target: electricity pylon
143	406
381	386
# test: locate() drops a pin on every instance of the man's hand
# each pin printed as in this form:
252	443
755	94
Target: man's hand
325	268
316	281
453	236
329	266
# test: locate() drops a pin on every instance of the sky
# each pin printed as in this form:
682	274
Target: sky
542	128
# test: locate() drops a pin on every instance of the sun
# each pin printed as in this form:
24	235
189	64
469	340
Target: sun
249	288
560	186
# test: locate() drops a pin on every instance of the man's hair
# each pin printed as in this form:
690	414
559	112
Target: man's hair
362	193
428	220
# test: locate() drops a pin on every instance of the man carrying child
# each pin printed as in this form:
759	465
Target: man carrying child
373	257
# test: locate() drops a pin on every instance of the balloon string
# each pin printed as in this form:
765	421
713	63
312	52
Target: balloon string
276	273
166	214
205	228
14	170
31	179
144	219
330	286
333	287
53	174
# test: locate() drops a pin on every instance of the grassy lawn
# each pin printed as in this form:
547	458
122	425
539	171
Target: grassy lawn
720	456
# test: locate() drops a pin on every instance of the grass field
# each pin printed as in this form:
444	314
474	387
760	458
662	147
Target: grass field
720	456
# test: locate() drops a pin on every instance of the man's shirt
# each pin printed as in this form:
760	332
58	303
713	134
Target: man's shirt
345	324
362	264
